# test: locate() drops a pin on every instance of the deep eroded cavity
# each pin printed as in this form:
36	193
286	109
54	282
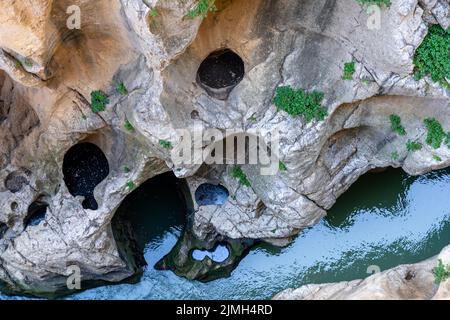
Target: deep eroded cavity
220	72
151	213
85	166
209	194
36	212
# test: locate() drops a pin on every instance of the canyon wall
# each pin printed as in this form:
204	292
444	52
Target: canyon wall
154	49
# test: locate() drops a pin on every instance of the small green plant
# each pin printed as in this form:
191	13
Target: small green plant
381	3
413	146
300	103
202	8
128	126
432	57
349	70
395	156
153	13
441	272
126	169
282	166
165	144
99	100
131	185
121	89
28	62
437	158
252	119
436	134
240	175
396	124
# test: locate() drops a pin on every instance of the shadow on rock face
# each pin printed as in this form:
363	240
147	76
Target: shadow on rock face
220	72
85	166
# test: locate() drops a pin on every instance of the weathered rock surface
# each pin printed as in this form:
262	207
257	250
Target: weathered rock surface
49	72
406	282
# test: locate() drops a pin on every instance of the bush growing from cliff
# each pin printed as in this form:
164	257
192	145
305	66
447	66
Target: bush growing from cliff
441	272
165	144
413	146
282	166
298	102
396	124
128	126
381	3
436	134
99	100
432	58
240	176
131	185
395	156
349	70
202	8
121	89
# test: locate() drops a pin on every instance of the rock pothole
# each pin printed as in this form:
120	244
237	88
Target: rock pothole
84	167
209	194
15	181
220	73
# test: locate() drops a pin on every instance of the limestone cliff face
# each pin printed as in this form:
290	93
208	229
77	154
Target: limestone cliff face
49	72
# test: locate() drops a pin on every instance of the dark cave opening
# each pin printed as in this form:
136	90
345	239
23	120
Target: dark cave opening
36	212
151	214
84	167
220	72
210	194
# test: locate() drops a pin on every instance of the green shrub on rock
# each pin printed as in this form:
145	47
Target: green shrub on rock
99	100
240	175
436	134
396	124
432	58
441	272
349	70
413	146
381	3
202	8
298	102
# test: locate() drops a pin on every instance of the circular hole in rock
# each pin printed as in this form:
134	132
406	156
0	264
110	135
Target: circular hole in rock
220	72
15	181
219	254
36	212
84	167
209	194
14	206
